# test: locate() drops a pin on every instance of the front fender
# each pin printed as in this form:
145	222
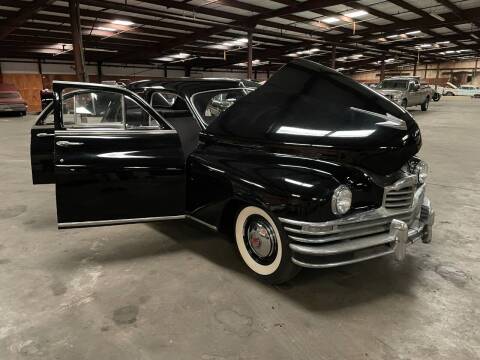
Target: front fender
287	186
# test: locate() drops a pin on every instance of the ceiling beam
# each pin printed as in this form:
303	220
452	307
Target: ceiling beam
23	15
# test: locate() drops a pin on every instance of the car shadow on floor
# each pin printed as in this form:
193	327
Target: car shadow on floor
316	290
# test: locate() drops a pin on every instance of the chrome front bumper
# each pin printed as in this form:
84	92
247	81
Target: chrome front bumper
361	237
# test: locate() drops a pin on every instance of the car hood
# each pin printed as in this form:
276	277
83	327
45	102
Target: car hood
389	91
310	109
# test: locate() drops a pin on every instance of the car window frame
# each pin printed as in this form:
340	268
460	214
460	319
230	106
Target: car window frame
195	110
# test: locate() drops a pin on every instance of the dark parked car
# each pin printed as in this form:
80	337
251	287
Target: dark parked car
46	97
11	101
309	170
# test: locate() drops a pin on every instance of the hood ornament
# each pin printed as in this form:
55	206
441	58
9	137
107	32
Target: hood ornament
389	120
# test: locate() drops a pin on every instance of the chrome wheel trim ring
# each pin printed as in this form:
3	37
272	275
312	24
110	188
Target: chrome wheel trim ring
260	240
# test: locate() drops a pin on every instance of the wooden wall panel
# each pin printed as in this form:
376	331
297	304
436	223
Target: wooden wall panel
29	86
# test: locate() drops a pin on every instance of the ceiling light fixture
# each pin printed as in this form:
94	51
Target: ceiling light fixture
180	56
413	32
355	13
392	36
123	22
104	28
474	36
330	20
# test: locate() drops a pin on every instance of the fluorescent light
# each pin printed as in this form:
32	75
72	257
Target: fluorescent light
443	42
330	20
104	28
413	32
474	36
101	50
236	42
180	56
164	58
425	45
450	52
123	22
392	36
355	13
438	17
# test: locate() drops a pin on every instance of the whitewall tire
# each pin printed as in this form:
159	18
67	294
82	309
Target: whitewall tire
262	245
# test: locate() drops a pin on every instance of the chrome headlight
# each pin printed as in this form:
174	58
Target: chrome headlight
421	170
341	200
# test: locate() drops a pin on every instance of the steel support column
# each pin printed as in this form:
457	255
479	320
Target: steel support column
437	75
250	55
382	70
40	71
415	69
99	72
334	55
77	40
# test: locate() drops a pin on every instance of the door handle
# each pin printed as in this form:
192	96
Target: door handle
69	143
45	135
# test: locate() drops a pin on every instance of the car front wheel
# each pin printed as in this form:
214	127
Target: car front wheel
263	246
425	104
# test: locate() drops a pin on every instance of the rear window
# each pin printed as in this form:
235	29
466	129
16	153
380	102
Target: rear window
393	84
9	95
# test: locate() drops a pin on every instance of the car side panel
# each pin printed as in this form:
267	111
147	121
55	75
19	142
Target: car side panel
288	186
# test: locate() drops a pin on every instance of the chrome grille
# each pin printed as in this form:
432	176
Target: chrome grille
401	201
400	198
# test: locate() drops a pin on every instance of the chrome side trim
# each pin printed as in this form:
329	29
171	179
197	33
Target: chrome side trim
117	221
210	226
97	131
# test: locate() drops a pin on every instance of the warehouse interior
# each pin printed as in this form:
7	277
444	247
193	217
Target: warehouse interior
178	290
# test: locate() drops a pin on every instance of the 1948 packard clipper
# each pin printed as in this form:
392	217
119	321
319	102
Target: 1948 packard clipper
309	170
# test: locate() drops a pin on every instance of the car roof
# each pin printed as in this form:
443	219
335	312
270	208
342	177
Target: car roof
190	86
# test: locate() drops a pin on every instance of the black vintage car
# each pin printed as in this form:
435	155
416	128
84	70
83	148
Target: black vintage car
309	170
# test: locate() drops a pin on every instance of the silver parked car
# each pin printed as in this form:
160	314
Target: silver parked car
405	91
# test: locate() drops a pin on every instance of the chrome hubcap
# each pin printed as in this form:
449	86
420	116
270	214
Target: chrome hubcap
261	238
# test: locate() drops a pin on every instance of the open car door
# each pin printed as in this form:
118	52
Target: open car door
116	160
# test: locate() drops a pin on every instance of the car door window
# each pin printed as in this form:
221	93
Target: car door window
84	109
210	104
136	117
169	104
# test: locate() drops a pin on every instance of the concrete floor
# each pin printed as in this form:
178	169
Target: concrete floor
178	291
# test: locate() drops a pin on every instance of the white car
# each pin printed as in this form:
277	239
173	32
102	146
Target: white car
463	90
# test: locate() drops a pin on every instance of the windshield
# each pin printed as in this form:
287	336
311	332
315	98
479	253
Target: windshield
210	104
393	84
